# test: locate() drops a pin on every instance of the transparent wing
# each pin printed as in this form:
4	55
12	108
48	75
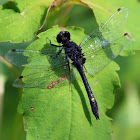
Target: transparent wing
110	29
42	78
49	78
45	70
104	44
99	59
99	48
34	59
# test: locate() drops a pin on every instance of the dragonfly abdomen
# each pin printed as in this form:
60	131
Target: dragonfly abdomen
92	99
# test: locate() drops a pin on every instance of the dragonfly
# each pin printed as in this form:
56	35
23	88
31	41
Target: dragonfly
93	54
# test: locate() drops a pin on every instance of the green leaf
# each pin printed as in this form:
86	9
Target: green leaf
20	20
9	99
61	113
46	110
2	1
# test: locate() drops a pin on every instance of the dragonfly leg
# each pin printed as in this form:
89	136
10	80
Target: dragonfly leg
56	54
69	70
53	44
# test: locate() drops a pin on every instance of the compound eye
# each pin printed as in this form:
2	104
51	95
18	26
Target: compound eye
59	37
67	34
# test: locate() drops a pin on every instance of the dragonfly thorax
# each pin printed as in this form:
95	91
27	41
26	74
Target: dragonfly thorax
74	52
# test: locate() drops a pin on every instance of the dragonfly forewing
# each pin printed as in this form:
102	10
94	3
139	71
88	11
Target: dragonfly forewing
105	43
35	59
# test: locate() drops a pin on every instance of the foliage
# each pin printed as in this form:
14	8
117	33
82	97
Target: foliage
60	113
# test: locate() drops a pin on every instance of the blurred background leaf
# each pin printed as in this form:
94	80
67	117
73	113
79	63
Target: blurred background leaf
22	19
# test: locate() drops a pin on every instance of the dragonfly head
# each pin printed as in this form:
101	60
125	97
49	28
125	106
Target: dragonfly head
63	37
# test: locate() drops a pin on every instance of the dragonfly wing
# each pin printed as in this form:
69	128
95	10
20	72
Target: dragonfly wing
44	69
55	71
44	78
34	59
99	59
110	29
104	44
16	57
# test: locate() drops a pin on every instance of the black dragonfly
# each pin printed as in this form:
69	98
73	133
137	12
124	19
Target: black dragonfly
97	50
